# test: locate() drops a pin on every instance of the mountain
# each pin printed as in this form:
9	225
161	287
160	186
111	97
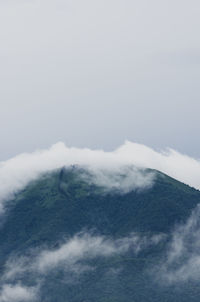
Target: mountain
65	238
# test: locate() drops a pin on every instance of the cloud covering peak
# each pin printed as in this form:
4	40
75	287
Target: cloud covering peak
16	172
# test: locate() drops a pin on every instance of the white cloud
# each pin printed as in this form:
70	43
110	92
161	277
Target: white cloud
106	167
85	246
17	293
182	260
69	255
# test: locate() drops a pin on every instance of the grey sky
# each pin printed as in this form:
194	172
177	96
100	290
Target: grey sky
94	73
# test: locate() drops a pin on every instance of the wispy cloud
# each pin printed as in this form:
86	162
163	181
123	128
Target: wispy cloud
70	257
182	260
82	246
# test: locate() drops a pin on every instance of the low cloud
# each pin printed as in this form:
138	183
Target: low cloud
81	247
121	169
85	246
70	257
182	260
120	178
17	293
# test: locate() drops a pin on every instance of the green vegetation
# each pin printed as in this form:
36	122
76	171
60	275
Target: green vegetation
62	203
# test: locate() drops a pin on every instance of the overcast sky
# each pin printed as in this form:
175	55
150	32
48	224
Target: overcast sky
94	73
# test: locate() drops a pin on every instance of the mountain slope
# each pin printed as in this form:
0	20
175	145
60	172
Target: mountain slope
60	205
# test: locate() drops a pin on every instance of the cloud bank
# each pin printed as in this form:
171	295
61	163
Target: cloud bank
106	167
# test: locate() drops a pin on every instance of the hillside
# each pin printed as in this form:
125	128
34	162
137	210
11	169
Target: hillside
122	236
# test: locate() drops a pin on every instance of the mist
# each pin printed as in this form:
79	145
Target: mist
182	258
70	257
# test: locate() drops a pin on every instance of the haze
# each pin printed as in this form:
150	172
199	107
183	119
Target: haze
94	73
